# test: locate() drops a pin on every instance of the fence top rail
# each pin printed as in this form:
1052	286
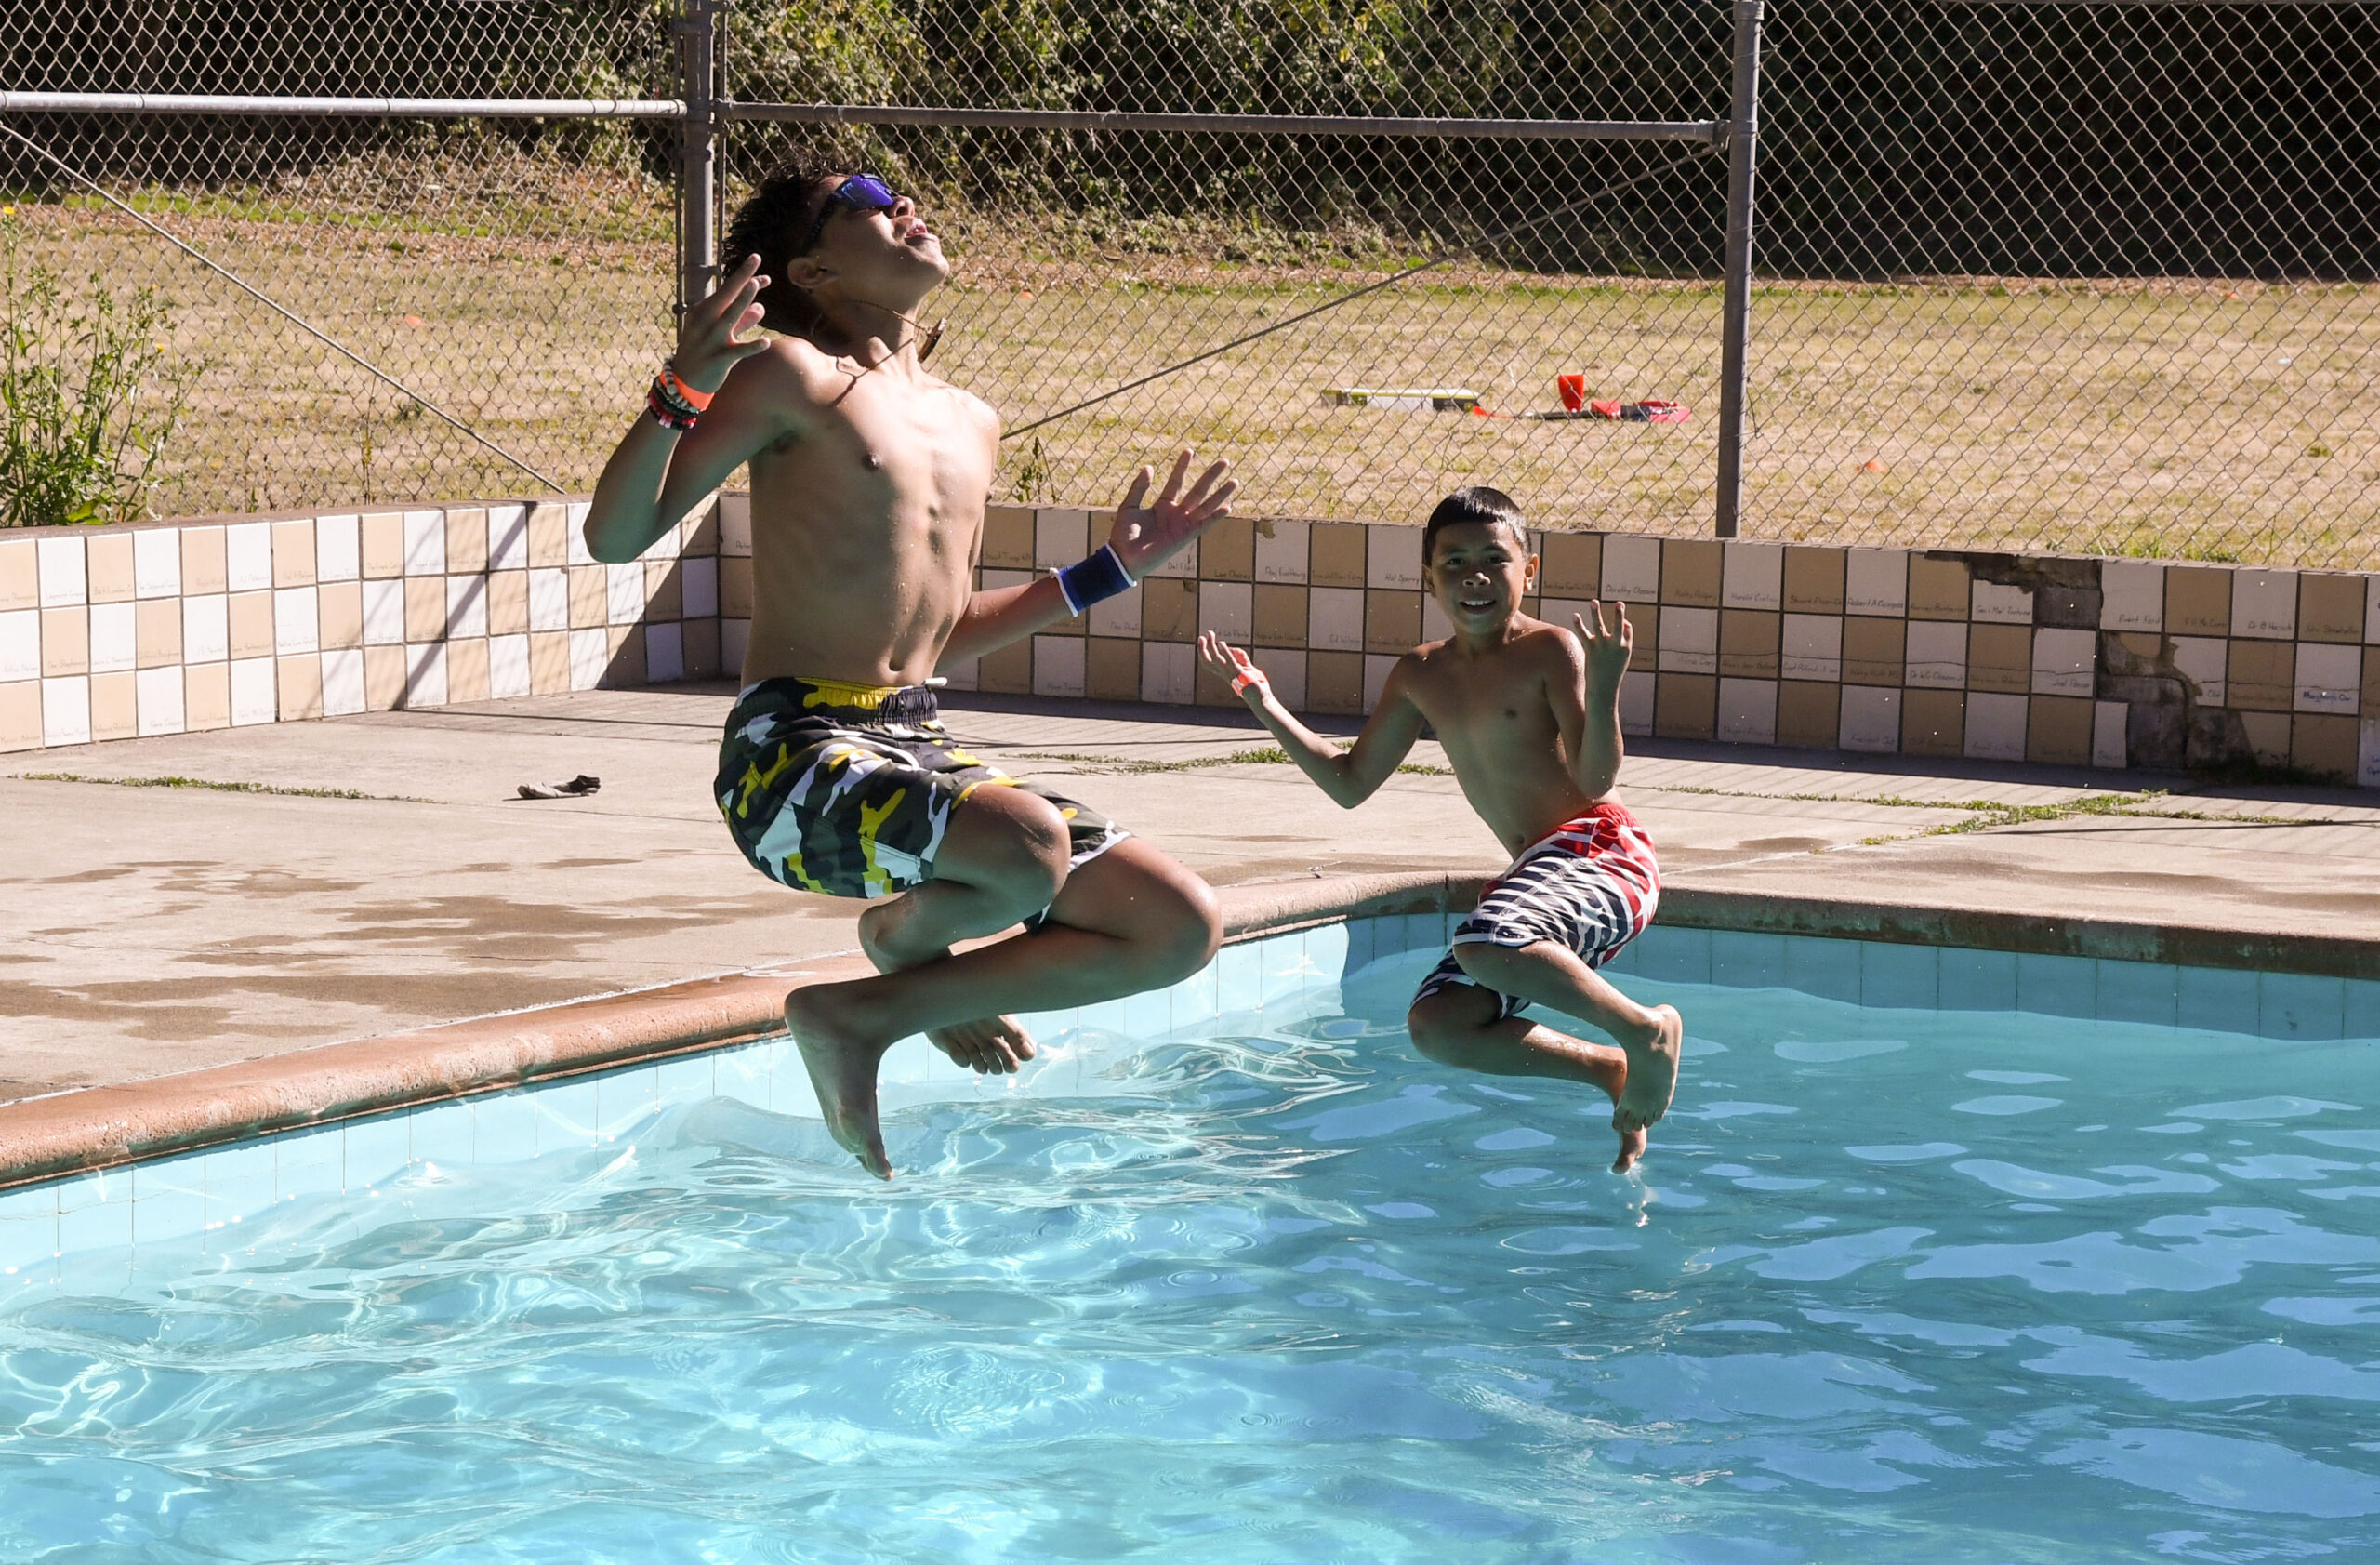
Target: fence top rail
1230	125
363	108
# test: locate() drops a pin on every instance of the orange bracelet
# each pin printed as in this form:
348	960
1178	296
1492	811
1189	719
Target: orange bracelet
698	401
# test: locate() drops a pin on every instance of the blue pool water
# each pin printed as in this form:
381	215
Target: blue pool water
1897	1285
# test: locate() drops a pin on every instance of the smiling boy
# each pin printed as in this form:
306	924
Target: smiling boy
1530	717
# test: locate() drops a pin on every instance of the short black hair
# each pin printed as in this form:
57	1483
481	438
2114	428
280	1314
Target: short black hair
1477	503
767	225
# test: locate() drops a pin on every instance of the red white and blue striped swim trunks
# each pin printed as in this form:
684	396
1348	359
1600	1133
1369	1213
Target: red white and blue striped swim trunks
1591	884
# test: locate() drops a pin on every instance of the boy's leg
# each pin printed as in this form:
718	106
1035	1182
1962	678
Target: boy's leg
1463	1026
1553	976
1128	921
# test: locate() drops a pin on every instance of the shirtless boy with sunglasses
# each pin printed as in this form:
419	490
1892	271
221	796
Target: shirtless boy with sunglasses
870	477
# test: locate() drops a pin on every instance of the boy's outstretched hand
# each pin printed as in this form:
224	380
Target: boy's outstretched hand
1147	534
1227	660
1609	639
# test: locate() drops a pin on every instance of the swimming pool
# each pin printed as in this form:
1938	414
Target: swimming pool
1235	1277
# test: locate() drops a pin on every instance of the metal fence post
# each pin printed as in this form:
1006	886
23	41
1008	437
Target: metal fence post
1743	139
698	157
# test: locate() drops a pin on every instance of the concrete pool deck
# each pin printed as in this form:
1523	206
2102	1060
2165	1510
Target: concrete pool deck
347	879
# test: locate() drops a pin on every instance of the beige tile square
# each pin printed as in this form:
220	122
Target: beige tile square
1871	650
1686	706
206	697
20	577
1392	619
384	678
2000	659
466	668
664	590
1691	577
2268	736
1571	566
1007	671
735	592
1334	681
1008	537
65	641
548	662
339	605
1336	555
302	686
1280	615
2330	606
1808	713
548	538
1168	609
292	554
508	603
2197	601
701	642
1112	669
426	608
1938	589
1933	722
384	545
2371	707
1813	582
699	540
114	705
591	595
2324	744
108	567
21	715
2261	676
2057	731
157	632
466	544
203	568
1227	551
250	615
1749	639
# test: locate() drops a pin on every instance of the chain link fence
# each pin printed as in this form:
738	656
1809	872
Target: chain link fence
2078	276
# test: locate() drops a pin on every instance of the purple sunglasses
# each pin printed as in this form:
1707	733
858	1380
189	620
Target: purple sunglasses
865	193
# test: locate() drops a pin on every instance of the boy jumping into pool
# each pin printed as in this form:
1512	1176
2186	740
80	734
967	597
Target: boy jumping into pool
1531	718
870	477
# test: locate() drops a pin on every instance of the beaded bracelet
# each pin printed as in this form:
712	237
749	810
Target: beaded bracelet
673	404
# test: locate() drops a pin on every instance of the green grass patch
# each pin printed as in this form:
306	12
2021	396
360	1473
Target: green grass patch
213	787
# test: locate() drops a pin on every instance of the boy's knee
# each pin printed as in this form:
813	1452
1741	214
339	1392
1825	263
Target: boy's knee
1186	926
1020	848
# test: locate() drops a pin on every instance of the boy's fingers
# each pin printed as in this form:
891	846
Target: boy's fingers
1139	493
1173	479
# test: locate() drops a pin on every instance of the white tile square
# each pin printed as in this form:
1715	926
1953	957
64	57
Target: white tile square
1689	640
1392	556
1934	656
698	587
2064	662
1632	568
1334	618
343	682
157	700
1994	603
1747	711
2264	604
111	643
384	611
2201	660
1167	670
549	599
206	627
1061	536
508	667
20	646
1184	564
467	607
1377	668
2329	679
2132	595
426	674
247	556
961	676
66	711
1871	719
735	523
1227	608
507	537
1118	615
665	654
1995	726
255	694
1636	702
624	592
1875	581
1282	550
591	653
339	551
157	562
2367	753
1812	647
734	636
1752	576
297	625
1058	665
60	564
424	543
2110	720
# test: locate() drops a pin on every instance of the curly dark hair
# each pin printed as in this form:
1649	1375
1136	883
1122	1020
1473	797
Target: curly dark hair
767	225
1477	503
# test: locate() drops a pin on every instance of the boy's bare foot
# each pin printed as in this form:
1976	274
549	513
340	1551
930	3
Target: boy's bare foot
1652	1073
843	1071
1631	1147
992	1046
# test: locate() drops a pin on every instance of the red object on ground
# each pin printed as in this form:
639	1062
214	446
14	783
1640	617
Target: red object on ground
1604	409
1574	391
1659	410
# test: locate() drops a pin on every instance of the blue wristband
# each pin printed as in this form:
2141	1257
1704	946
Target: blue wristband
1099	577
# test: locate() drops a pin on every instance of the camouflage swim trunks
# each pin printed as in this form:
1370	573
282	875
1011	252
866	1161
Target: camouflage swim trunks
848	788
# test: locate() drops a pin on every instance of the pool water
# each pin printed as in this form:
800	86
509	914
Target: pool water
1895	1285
